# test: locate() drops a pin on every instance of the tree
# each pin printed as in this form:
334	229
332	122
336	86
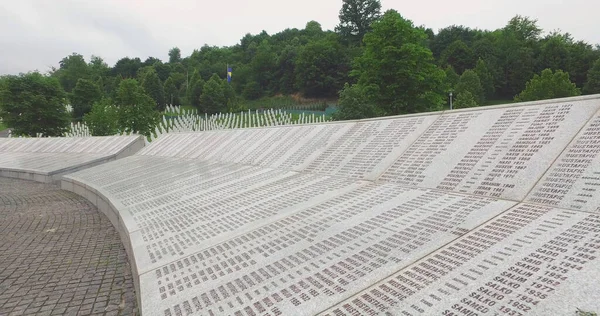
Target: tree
251	90
103	119
150	61
174	55
232	103
127	67
72	68
465	99
449	35
154	88
486	78
85	93
195	90
141	73
516	60
400	67
356	17
313	29
524	28
127	92
582	58
162	70
171	92
469	81
33	104
354	103
548	86
98	68
321	68
452	77
286	63
212	99
555	52
593	79
459	56
137	110
263	67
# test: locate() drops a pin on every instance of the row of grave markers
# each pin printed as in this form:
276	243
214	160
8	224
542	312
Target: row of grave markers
191	121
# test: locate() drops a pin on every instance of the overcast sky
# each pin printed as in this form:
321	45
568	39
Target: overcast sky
37	34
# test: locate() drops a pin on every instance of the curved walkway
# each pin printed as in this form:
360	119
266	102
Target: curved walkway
59	255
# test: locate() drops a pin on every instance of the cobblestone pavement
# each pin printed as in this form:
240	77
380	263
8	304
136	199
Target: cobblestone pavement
59	255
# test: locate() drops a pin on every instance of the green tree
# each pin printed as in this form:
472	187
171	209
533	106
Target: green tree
548	86
232	103
593	79
263	67
582	58
555	52
486	78
469	81
286	63
313	29
356	17
99	70
127	92
213	99
251	90
127	67
399	66
154	88
150	61
85	93
516	60
137	110
162	70
459	56
465	99
321	68
449	35
72	68
452	77
171	92
523	28
33	104
195	90
103	119
141	73
355	103
174	55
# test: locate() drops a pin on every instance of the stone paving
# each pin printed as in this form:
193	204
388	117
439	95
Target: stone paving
59	255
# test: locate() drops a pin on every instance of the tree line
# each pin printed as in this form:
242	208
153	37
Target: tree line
375	63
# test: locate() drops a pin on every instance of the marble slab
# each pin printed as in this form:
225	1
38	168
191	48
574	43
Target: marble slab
573	181
47	159
305	262
531	260
496	152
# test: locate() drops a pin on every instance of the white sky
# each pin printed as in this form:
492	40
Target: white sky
37	34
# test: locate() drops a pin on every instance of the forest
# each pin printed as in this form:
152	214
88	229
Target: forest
372	64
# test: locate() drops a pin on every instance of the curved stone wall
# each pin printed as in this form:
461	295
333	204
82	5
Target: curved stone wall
47	159
487	210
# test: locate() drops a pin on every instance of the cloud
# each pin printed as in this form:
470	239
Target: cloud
36	34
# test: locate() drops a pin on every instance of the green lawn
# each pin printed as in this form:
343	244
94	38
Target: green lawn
2	126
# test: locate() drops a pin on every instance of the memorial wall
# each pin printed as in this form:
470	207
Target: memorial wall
487	211
47	159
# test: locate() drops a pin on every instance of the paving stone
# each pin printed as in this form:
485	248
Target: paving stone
43	228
